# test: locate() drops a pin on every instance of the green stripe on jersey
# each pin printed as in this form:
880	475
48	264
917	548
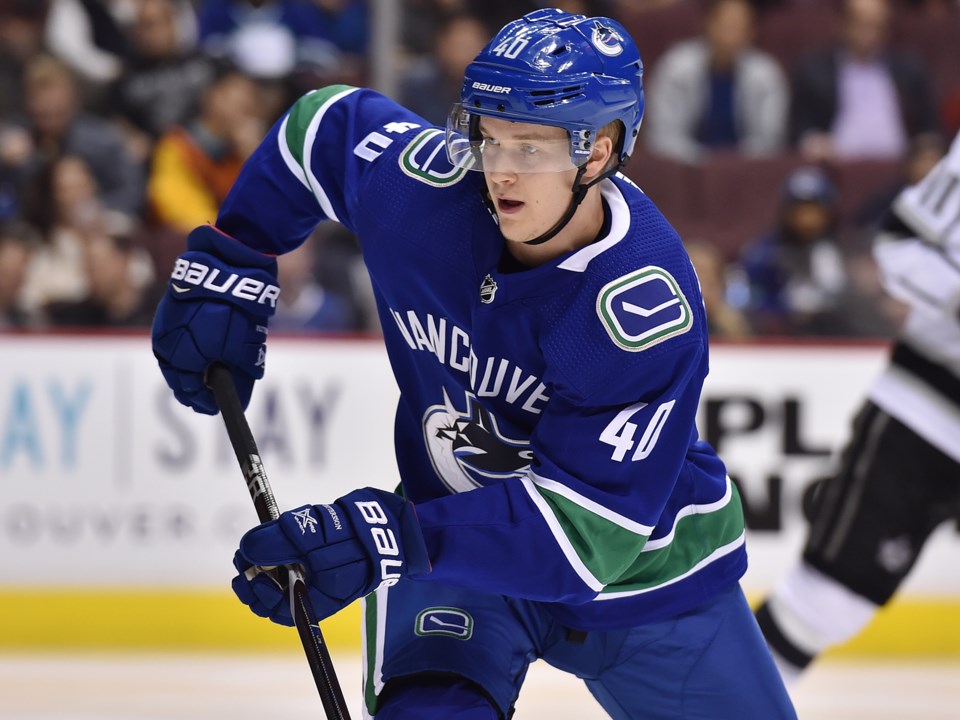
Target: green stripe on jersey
605	548
616	556
696	537
370	621
303	112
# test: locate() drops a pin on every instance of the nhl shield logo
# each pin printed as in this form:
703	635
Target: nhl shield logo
488	290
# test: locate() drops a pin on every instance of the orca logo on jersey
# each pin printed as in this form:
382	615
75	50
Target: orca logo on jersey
643	308
468	449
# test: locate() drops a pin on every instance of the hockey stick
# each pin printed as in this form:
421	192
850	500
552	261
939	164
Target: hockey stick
220	382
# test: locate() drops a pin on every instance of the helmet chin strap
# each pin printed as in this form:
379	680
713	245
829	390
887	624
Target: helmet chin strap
579	193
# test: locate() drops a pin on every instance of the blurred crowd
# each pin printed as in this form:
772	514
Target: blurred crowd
776	133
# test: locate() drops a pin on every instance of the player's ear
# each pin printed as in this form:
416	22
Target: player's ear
600	157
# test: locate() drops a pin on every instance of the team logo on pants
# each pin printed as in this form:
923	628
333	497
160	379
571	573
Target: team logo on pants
446	621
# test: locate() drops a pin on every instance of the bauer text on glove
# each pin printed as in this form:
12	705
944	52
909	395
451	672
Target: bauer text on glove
367	539
219	299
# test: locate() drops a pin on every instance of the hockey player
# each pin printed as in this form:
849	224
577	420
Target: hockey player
548	336
899	476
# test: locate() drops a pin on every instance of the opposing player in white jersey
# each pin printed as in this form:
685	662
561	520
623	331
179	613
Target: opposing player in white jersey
900	472
547	333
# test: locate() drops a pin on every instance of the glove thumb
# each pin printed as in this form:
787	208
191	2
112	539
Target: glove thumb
267	544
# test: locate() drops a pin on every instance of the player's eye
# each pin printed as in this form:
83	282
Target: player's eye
529	149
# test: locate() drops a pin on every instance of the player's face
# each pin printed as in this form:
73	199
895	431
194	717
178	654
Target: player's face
528	203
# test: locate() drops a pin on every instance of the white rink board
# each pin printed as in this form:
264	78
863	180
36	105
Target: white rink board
107	481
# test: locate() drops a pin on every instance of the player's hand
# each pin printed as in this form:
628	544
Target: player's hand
216	308
367	539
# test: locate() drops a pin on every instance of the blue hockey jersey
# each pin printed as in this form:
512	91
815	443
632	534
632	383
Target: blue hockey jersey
545	428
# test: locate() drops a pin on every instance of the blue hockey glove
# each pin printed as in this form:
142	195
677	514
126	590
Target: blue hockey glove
367	539
219	299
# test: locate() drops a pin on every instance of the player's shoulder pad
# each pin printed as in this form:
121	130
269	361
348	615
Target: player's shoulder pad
643	287
368	120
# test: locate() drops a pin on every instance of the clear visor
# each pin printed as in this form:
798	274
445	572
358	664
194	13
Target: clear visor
522	149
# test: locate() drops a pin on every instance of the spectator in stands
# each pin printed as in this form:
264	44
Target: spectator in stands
16	147
58	128
861	99
941	9
344	23
421	20
270	38
86	36
796	273
724	321
305	304
432	84
119	293
195	164
17	243
62	203
21	37
340	269
164	78
717	91
951	112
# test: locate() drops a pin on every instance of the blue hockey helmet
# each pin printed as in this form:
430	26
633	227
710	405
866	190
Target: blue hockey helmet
553	68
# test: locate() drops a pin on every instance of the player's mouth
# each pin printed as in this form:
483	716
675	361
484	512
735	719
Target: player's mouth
506	206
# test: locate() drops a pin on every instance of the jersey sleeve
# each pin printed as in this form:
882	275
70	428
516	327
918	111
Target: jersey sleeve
609	506
313	165
918	249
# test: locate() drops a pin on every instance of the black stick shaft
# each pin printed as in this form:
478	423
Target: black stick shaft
221	384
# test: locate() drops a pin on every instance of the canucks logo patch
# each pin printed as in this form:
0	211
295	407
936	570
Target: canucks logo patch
447	621
467	448
643	308
607	40
425	159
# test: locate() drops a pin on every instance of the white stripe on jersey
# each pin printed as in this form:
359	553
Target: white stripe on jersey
287	156
308	141
374	665
715	555
689	510
561	537
588	504
619	225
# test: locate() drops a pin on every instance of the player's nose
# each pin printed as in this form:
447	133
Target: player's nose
502	176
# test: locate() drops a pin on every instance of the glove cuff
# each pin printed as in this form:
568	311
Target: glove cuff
418	561
209	239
